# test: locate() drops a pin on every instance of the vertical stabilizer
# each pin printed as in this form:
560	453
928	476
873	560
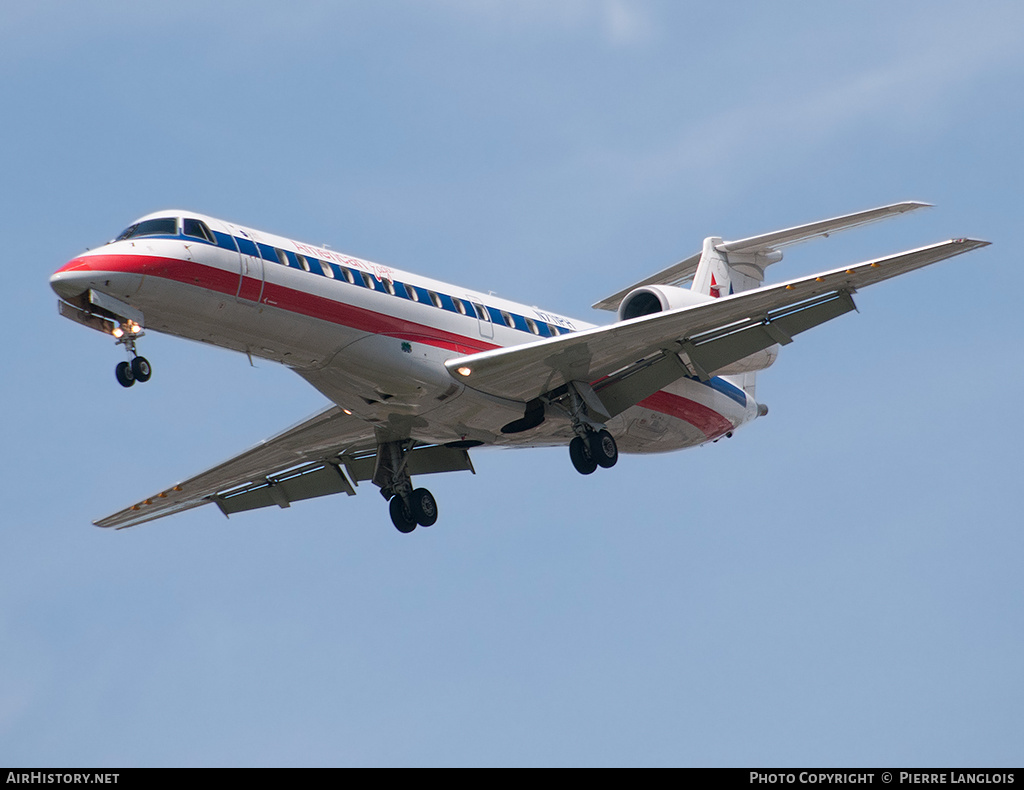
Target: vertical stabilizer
721	273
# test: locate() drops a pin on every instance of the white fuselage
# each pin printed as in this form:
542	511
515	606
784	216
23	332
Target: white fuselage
371	338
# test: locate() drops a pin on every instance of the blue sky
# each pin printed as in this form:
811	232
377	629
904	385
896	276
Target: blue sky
838	584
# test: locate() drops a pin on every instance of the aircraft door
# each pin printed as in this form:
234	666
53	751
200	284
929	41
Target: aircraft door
483	318
251	275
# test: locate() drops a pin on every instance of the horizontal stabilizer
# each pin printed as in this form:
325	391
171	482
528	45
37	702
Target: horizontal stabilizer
679	274
813	230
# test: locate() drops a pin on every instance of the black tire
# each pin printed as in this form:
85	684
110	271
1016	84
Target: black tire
603	449
424	507
401	516
124	374
141	369
581	457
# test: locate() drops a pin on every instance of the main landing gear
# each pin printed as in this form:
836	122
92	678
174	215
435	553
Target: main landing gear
593	449
138	368
409	507
593	445
419	509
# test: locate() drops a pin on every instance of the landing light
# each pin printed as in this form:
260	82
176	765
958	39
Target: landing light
464	371
118	332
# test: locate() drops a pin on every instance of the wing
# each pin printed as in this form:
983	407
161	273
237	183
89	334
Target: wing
325	454
683	271
630	360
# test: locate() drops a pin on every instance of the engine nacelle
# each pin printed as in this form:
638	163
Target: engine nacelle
650	299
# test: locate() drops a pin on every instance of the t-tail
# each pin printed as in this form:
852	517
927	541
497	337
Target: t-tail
731	267
723	268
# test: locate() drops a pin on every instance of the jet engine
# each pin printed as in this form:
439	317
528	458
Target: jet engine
650	299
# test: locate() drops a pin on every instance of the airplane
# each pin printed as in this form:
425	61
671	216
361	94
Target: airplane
419	372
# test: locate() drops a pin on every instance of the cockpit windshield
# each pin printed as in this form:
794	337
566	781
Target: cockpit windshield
163	226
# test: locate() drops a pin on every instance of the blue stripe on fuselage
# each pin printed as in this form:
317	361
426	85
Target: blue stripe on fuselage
729	390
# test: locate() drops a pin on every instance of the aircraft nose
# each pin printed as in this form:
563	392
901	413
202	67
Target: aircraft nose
73	279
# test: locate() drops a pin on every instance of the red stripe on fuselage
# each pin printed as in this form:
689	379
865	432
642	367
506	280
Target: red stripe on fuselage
704	418
284	298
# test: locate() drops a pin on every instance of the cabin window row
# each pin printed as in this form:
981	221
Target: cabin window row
199	230
414	293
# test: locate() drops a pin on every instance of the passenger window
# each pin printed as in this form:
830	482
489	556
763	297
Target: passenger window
413	292
303	262
507	318
327	269
347	274
435	299
480	312
459	305
389	287
555	331
368	281
532	326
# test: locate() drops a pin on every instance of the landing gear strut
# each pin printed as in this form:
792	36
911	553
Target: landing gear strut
138	369
409	507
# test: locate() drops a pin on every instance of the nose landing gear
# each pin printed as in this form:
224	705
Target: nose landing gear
138	368
127	373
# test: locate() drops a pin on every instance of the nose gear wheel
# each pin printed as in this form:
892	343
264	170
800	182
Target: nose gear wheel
124	374
141	369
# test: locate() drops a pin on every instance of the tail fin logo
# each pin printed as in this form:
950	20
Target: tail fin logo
716	290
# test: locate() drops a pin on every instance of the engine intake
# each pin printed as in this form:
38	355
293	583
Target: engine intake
650	299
